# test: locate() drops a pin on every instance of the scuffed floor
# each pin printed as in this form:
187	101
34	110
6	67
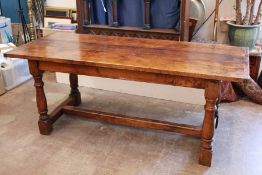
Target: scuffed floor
82	147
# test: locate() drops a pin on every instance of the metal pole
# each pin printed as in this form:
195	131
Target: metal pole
31	20
1	10
216	20
22	20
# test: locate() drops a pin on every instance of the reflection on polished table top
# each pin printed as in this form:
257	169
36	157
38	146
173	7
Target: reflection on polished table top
208	61
184	64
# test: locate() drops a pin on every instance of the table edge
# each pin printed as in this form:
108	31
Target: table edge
121	67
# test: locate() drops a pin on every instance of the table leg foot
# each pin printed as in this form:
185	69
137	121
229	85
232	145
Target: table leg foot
205	156
211	95
74	94
45	127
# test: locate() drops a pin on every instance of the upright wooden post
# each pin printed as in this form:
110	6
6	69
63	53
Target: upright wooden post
87	17
184	20
216	20
83	14
74	94
115	13
147	13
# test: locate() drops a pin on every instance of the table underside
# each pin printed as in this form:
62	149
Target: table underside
70	106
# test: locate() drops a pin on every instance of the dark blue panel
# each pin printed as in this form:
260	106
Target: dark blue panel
130	12
164	13
99	16
10	9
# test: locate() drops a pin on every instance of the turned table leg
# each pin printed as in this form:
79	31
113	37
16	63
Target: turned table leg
74	94
211	95
44	123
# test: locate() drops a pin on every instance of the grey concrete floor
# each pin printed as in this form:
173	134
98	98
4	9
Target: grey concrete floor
78	146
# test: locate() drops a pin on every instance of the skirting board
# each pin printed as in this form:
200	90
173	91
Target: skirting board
165	92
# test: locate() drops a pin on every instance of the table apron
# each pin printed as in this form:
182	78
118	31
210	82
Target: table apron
122	74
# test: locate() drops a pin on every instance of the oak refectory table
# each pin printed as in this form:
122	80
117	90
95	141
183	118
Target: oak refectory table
194	65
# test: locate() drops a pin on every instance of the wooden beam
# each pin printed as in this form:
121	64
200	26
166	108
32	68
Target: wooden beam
134	121
130	31
147	12
184	20
83	14
58	111
115	13
192	26
124	74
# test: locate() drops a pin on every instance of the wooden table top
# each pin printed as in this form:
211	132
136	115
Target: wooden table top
207	61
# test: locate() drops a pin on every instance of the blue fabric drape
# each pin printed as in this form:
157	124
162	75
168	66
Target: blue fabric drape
130	12
164	13
98	15
10	10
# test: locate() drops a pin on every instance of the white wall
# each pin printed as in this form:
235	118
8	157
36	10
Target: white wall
62	3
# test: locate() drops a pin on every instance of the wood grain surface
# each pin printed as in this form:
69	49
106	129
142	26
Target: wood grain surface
206	61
